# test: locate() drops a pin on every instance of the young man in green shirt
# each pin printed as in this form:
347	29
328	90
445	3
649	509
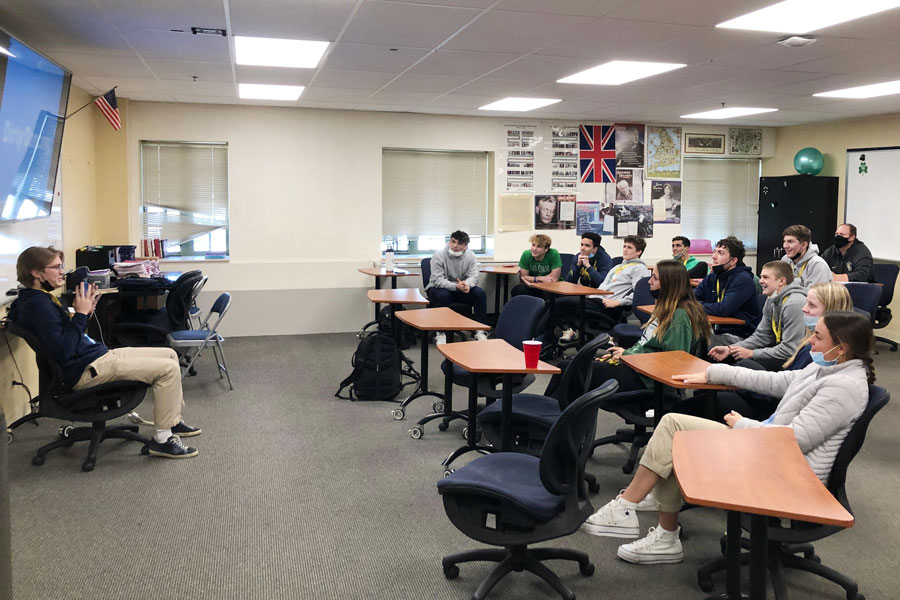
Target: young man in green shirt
538	265
681	250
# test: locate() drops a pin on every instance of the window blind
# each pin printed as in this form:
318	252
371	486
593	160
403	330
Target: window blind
433	193
184	189
720	198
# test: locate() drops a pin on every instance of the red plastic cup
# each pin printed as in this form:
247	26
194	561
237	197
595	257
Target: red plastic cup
532	350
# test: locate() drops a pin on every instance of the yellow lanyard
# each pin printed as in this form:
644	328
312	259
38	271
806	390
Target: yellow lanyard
719	295
776	328
803	268
617	271
54	298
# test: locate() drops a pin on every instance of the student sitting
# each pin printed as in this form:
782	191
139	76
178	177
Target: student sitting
538	265
820	403
681	250
454	278
729	290
849	258
803	256
589	269
780	331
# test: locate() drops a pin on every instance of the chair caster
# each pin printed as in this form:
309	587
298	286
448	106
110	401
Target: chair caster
9	437
398	414
628	467
443	426
857	596
448	472
192	372
705	584
586	568
145	450
438	407
416	432
451	572
37	460
65	431
594	487
87	466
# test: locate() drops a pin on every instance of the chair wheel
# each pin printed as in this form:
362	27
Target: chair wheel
451	572
145	450
37	460
448	472
706	585
628	468
857	596
438	407
464	433
9	437
87	465
587	569
65	431
594	487
443	426
398	414
416	432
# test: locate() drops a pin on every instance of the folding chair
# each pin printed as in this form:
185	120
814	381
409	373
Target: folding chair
194	310
183	341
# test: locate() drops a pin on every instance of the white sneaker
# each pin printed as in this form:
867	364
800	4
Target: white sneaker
440	338
568	335
648	504
658	546
617	518
480	335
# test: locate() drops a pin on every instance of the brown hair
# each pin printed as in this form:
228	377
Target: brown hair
637	241
734	246
801	232
851	227
833	296
541	240
35	258
854	331
780	269
675	292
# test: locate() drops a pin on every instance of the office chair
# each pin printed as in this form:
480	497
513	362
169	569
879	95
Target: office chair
786	543
627	335
94	405
886	275
514	500
5	546
699	271
567	260
150	327
865	296
207	335
616	261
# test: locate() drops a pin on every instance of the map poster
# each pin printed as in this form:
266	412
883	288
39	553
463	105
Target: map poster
745	141
663	152
666	199
629	146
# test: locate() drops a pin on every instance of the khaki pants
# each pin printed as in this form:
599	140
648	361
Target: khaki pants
658	455
157	367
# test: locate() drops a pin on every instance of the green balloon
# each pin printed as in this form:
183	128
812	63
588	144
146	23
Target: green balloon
809	161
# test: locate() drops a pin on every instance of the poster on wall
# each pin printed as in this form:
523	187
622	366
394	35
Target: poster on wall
634	219
554	211
520	142
663	152
666	199
629	146
597	153
564	166
594	216
628	188
746	142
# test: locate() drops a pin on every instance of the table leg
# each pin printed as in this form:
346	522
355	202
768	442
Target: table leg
422	386
550	334
377	306
709	409
658	395
472	427
505	288
497	296
758	556
506	414
732	559
581	311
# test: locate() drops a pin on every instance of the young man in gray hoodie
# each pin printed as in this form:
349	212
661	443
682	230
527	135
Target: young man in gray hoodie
803	256
781	329
454	278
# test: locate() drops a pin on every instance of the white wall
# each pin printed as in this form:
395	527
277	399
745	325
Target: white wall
305	197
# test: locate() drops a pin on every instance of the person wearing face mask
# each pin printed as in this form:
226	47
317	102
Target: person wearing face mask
729	291
681	250
454	278
803	256
819	403
86	363
589	268
849	258
538	265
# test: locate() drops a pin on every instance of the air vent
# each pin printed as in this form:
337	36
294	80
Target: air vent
208	31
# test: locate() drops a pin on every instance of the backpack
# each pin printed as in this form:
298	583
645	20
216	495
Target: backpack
386	327
376	370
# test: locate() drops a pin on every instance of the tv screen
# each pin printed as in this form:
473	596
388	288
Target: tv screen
34	92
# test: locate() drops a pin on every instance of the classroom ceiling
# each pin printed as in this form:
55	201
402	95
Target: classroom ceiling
452	56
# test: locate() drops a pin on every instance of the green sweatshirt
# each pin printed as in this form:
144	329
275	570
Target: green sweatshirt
679	336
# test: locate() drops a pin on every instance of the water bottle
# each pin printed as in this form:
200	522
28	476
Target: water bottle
389	259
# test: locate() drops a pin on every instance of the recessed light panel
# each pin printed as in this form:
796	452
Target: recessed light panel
865	91
801	16
274	52
519	104
260	91
728	113
617	72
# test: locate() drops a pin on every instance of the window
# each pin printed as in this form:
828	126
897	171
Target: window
184	197
428	194
720	198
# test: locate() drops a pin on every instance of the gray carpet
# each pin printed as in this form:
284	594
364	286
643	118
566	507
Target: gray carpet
298	494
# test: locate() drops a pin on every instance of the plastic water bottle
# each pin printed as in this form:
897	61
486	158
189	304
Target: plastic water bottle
389	259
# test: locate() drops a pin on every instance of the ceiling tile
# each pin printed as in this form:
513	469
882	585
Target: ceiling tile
880	26
319	20
461	101
404	98
402	24
104	64
371	57
504	31
273	75
456	3
324	94
157	43
435	84
825	84
687	12
759	80
205	99
578	8
57	39
861	60
463	64
127	85
537	66
164	14
611	39
775	56
359	80
50	11
327	105
497	87
703	45
186	69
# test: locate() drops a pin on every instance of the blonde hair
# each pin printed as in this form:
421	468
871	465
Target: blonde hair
541	240
834	297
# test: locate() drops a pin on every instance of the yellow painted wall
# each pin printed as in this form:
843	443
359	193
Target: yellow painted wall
111	152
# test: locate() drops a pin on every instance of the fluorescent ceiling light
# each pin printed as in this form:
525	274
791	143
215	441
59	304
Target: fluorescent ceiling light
519	104
728	113
865	91
261	91
273	52
617	72
801	16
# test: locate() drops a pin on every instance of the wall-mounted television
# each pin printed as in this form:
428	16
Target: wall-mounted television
34	92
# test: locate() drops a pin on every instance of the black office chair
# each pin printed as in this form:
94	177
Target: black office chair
627	335
95	405
144	328
785	543
567	260
886	275
513	500
865	297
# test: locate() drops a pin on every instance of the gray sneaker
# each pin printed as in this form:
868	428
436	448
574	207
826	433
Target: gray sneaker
657	547
617	518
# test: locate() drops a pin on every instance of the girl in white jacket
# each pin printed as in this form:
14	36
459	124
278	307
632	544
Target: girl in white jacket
820	403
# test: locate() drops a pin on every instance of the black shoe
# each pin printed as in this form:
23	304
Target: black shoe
173	448
184	430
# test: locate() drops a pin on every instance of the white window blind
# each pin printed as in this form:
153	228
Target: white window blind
184	191
720	198
433	193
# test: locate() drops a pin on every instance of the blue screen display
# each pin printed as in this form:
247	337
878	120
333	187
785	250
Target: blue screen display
33	95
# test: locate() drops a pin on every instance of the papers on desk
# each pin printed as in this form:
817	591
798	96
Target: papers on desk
141	268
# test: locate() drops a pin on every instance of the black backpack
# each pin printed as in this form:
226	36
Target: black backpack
386	326
376	370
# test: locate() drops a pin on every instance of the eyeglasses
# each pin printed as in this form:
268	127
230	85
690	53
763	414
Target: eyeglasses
59	267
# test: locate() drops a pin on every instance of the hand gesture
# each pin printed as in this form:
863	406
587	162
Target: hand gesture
739	352
719	352
732	418
610	303
462	286
84	301
692	377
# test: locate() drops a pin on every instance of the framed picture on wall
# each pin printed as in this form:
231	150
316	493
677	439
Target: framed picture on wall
746	142
704	143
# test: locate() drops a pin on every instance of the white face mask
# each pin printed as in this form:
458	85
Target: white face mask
455	254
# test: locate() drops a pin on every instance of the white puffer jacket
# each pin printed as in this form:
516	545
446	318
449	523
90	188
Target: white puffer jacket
819	403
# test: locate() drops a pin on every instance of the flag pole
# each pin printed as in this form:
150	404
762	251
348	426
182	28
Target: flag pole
88	104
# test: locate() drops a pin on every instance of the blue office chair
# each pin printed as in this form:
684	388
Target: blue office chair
567	260
627	335
886	275
616	260
192	342
865	297
513	500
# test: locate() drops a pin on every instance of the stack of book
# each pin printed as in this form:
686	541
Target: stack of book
153	248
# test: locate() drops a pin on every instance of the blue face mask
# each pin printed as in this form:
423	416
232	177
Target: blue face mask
810	321
819	358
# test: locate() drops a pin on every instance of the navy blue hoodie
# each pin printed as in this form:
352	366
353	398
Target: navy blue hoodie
63	337
738	293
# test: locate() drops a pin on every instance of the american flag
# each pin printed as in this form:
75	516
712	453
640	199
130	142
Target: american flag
597	154
110	108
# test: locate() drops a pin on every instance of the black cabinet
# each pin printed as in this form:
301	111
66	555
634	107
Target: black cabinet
795	200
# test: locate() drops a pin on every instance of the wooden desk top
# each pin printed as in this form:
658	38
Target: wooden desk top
501	270
439	319
381	272
398	296
564	288
757	471
660	366
491	356
713	320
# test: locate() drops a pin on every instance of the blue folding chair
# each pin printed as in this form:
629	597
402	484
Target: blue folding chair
192	342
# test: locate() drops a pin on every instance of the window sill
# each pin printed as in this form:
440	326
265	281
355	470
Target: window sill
183	259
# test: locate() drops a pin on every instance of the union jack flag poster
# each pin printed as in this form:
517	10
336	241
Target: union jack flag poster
597	153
